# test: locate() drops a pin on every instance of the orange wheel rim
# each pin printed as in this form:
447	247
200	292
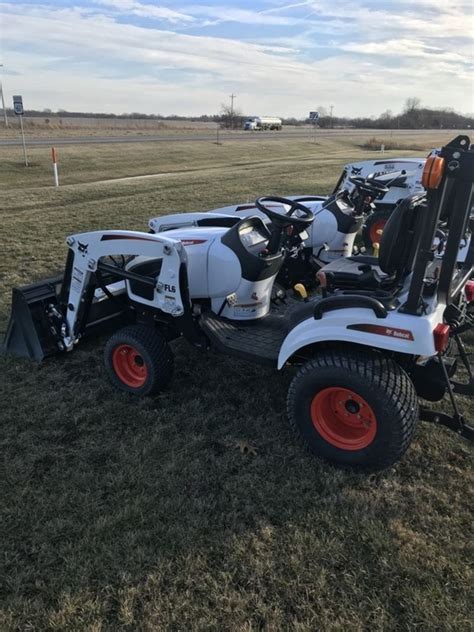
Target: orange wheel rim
129	366
343	418
374	235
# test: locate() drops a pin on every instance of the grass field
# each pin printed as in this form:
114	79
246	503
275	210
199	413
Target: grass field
53	126
145	515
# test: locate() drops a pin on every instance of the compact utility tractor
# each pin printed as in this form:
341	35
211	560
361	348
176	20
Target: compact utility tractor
395	179
370	342
401	176
337	219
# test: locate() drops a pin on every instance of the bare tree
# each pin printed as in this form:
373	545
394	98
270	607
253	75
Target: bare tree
322	111
231	117
412	104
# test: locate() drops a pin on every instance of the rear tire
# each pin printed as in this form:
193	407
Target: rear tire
354	408
138	360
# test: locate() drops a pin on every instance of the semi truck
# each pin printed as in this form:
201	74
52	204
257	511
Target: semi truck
263	123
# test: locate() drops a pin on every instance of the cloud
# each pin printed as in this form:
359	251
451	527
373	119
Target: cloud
376	18
405	48
133	7
286	7
218	14
92	59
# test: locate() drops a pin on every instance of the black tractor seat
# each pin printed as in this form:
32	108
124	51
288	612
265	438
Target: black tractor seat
398	247
356	273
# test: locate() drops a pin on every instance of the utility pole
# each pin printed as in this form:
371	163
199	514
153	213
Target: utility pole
232	97
3	102
332	108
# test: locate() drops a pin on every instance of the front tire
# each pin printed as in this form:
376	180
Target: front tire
354	408
375	223
138	360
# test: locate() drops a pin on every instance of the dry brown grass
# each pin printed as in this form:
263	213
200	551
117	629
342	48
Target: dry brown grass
375	144
60	125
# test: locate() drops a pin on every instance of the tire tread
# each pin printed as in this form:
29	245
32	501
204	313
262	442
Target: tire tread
159	355
385	374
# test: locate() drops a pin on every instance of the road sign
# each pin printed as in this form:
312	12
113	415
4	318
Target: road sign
18	105
314	116
18	109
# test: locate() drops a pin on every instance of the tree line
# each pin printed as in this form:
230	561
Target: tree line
413	116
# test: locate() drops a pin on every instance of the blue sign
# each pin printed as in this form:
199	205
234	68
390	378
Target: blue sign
18	105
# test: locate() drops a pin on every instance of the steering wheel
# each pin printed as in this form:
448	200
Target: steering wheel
286	219
311	198
367	186
280	221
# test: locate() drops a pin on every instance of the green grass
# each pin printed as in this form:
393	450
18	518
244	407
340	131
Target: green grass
144	515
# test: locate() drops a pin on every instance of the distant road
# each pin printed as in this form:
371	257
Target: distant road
211	136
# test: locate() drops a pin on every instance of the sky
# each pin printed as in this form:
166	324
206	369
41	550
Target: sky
280	58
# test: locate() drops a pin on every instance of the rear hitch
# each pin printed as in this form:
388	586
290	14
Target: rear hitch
453	422
456	421
464	389
467	388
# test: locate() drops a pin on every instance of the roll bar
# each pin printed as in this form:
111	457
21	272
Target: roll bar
449	183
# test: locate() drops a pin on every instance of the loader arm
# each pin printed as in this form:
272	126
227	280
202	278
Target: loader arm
88	249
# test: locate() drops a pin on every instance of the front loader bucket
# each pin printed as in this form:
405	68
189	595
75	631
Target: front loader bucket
28	333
